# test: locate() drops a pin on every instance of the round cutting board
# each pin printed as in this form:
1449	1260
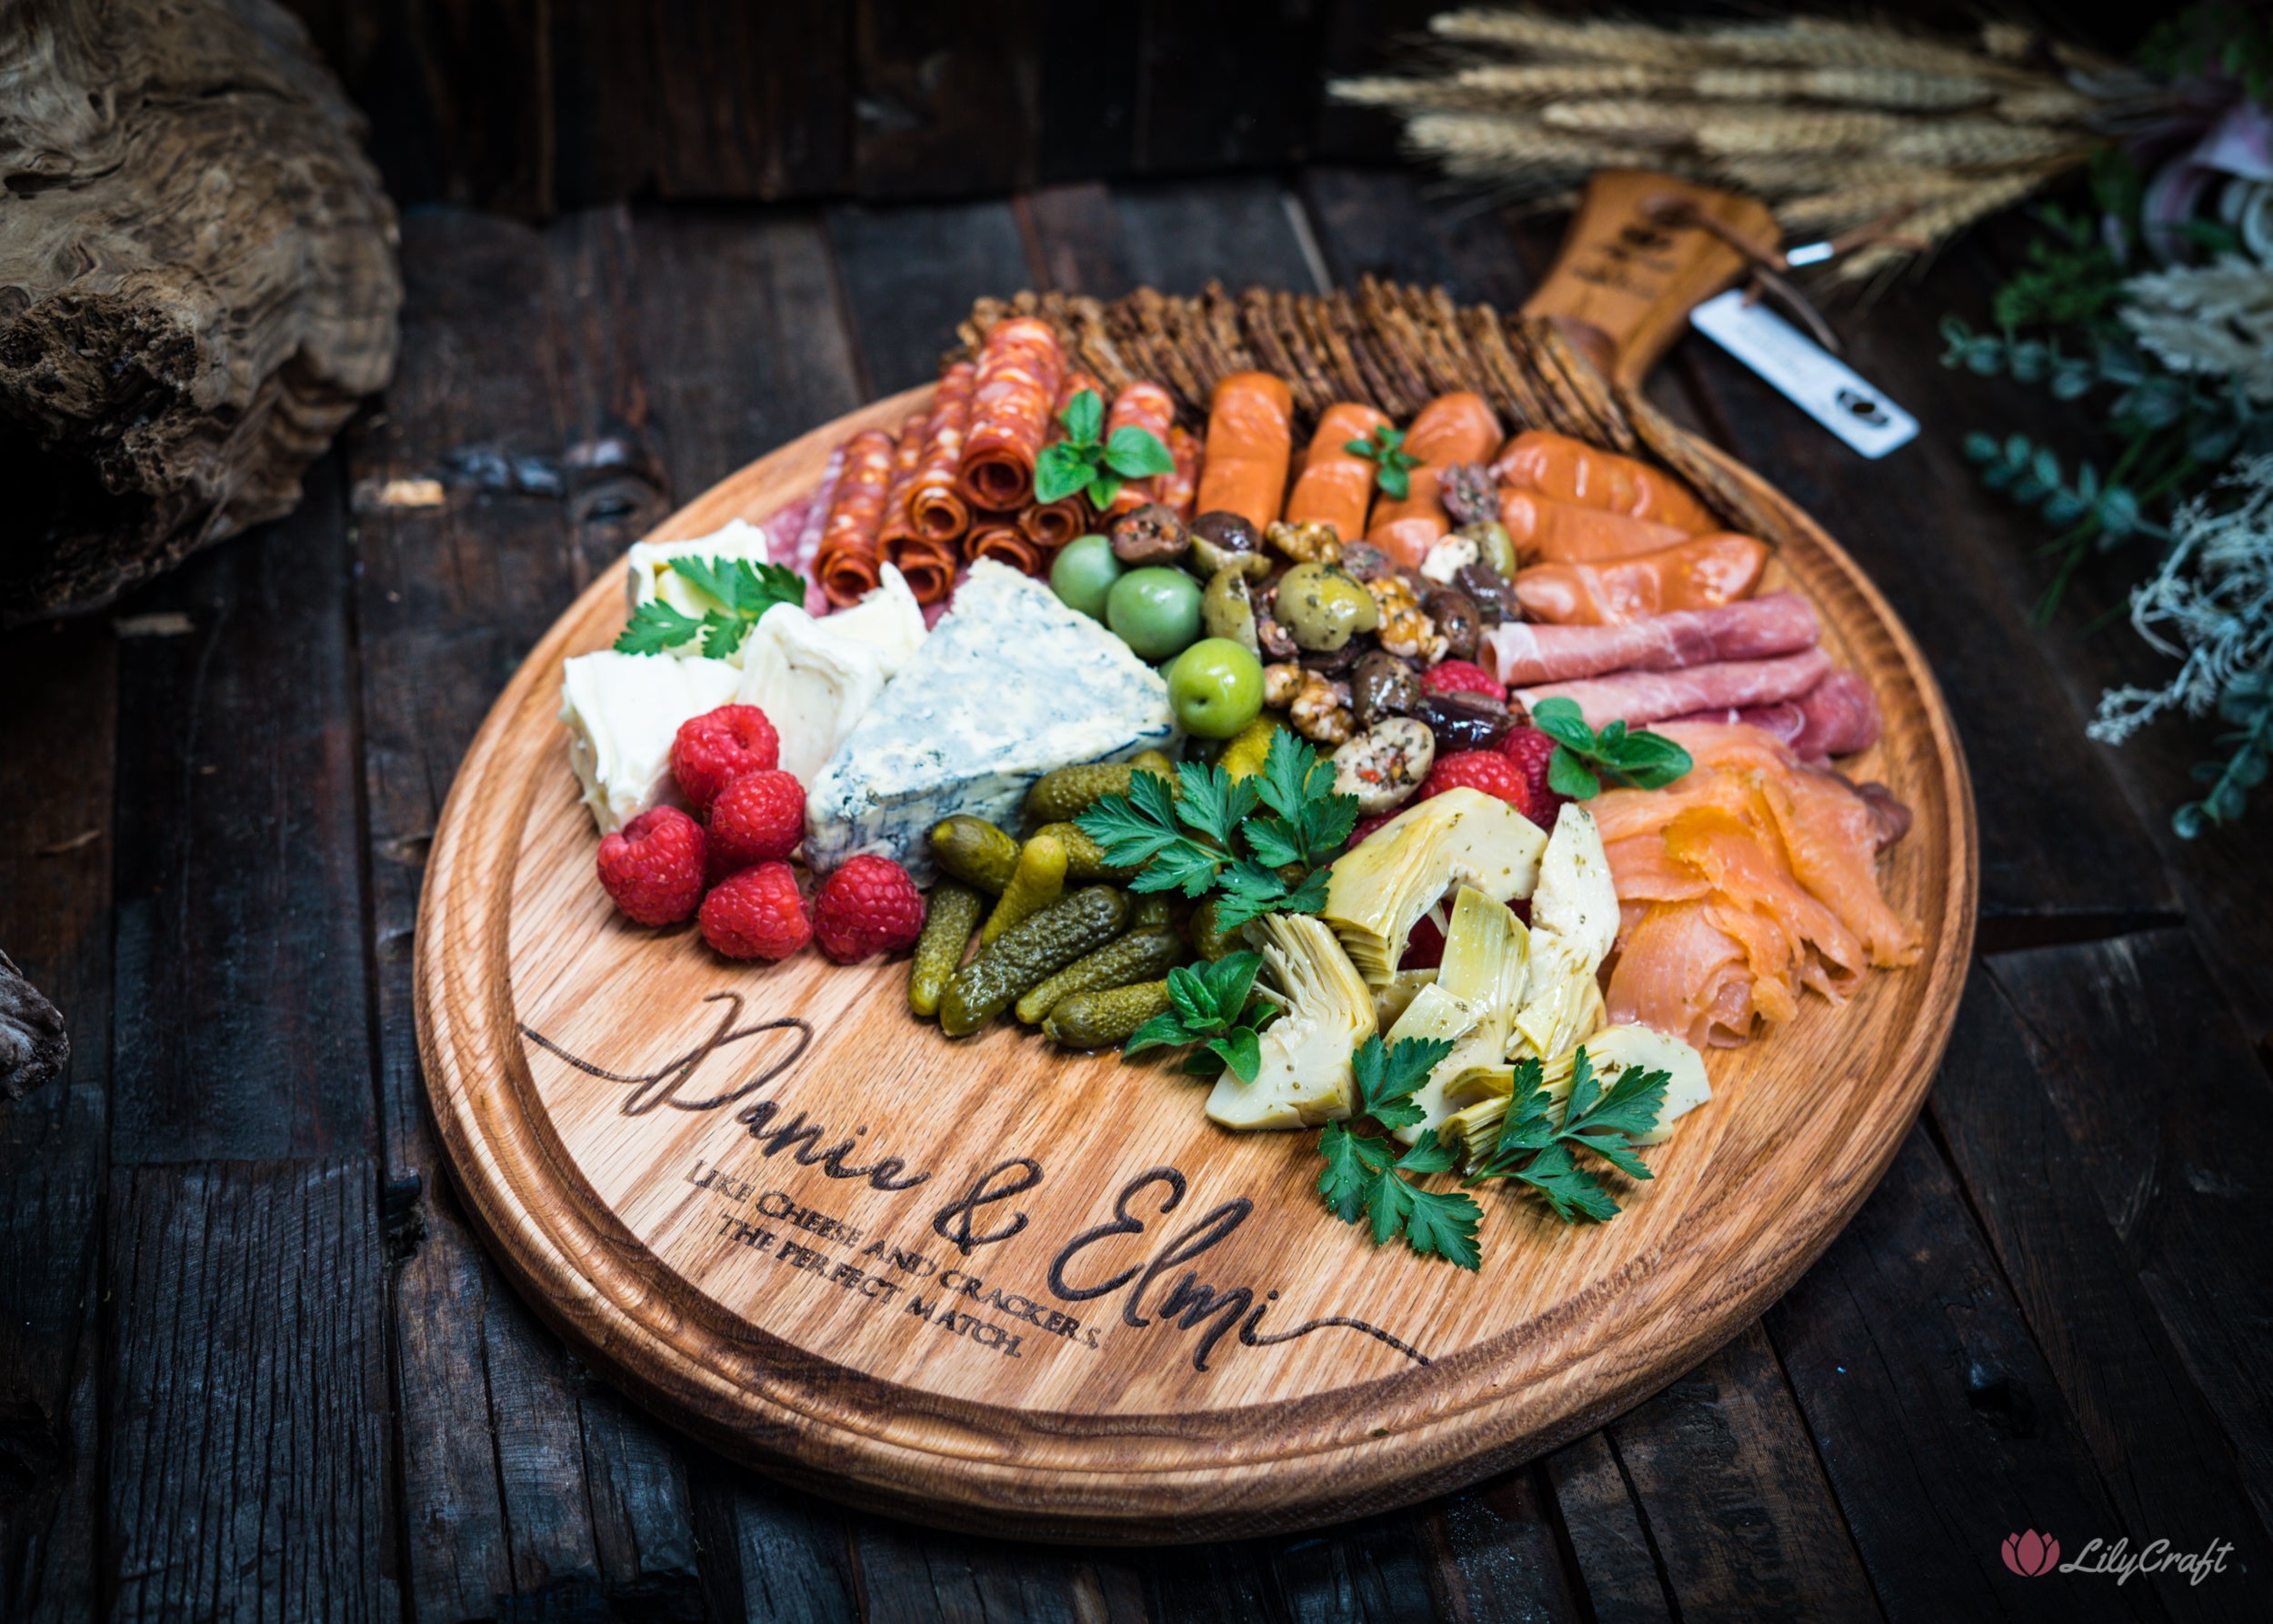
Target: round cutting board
992	1285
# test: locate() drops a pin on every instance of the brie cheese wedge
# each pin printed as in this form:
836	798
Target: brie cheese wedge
623	710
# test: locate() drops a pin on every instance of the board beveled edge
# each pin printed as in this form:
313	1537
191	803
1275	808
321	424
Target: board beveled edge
793	1416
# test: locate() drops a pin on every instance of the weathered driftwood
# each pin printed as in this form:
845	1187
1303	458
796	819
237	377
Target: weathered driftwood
197	284
34	1041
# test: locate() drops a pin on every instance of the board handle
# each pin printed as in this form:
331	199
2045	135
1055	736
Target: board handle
1624	281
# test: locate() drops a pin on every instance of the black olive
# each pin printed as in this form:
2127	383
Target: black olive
1468	494
1465	721
1365	561
1456	618
1150	535
1333	662
1384	686
1488	590
1228	531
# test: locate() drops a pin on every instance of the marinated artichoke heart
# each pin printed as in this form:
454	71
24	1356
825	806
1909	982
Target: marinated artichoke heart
1305	1077
1610	1051
1472	1001
1380	888
1574	920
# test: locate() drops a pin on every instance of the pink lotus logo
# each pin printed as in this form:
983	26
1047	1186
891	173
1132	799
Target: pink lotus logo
2031	1553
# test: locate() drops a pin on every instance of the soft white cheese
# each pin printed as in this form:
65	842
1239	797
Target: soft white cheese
812	682
623	710
648	576
1010	684
888	620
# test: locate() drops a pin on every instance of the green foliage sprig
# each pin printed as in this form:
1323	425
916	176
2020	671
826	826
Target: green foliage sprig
1538	1147
747	591
1367	1173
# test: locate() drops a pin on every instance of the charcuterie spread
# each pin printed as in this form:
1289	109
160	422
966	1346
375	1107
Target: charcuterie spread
1442	789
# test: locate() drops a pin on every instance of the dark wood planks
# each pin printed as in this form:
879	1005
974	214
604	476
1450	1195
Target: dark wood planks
945	99
55	921
1178	237
910	272
245	1447
1497	1555
2168	1460
1601	1521
1940	1425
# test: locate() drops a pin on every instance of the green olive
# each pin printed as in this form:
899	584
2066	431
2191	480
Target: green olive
1083	572
1155	611
1226	609
1322	607
1493	546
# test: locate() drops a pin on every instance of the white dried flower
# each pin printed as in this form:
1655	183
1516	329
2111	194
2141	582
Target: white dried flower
2215	320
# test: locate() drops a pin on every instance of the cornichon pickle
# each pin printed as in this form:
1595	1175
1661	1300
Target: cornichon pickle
975	851
1208	941
1152	761
1065	794
1039	880
1084	858
1107	1018
1151	911
948	920
1139	956
1027	953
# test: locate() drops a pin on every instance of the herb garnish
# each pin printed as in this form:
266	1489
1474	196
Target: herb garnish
1365	1173
1077	461
746	589
1214	1005
1207	835
1386	451
1535	1148
1584	757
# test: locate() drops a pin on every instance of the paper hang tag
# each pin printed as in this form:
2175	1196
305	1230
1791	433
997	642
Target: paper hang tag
1820	384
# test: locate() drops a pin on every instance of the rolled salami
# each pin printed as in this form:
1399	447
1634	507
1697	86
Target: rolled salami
1336	485
1146	405
935	512
928	567
845	561
1051	524
907	455
1020	366
1250	442
1179	490
807	547
1004	545
1459	427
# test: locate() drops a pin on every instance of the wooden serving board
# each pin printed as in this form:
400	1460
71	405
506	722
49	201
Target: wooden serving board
994	1286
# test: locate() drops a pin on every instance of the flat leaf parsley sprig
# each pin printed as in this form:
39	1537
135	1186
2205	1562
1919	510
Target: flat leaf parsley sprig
1210	834
1534	1146
1216	1007
1584	757
1079	462
1365	1173
746	589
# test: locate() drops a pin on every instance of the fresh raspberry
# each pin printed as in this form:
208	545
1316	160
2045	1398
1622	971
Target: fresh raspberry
1486	770
1532	751
757	818
1424	947
869	906
714	749
1462	677
652	867
1370	822
756	914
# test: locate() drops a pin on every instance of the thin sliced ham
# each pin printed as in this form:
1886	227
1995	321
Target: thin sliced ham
1525	654
1840	716
1639	697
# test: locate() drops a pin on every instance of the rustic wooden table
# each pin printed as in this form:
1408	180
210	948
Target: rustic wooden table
252	1363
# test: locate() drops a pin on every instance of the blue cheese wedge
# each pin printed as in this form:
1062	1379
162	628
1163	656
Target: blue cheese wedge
623	710
1010	684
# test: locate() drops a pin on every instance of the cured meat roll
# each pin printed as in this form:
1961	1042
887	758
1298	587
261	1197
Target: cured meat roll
1567	470
1640	697
1004	545
907	455
845	561
1020	366
1459	427
1523	654
1146	405
806	548
936	510
1701	574
1336	485
929	569
1179	491
1051	524
1544	529
1251	443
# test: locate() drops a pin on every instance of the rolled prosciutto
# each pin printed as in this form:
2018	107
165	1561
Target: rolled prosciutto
1637	698
1522	654
1781	722
1570	470
1840	716
845	561
1143	405
1699	574
1020	366
936	510
1251	443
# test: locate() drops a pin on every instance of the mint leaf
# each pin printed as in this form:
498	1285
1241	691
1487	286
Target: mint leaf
1567	774
654	626
1084	417
1194	999
1061	470
1102	490
1162	1031
1230	981
1137	453
1242	1051
1386	451
1561	720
